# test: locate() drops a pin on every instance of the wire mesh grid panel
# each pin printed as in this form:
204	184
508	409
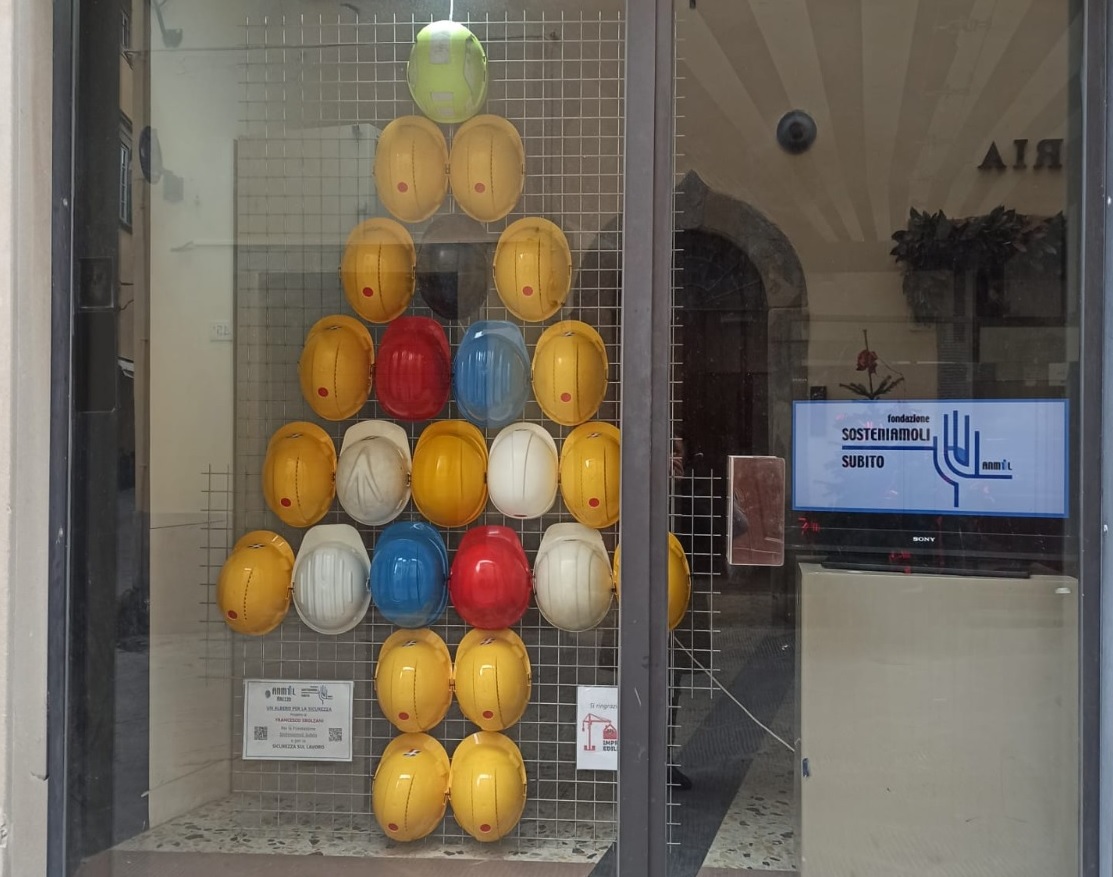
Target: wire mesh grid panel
316	96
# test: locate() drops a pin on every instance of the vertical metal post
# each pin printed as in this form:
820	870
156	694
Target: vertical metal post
646	300
1095	398
65	25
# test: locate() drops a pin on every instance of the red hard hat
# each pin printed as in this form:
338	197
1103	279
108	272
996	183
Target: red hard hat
413	372
490	581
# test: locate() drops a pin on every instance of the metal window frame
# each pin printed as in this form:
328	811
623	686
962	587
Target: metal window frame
647	250
647	260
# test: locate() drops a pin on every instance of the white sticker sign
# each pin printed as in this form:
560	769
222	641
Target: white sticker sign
297	720
596	727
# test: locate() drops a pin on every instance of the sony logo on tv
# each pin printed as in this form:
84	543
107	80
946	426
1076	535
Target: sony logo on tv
923	538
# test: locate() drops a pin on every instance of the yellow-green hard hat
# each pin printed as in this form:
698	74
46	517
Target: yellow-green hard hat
413	679
487	785
447	72
492	678
410	789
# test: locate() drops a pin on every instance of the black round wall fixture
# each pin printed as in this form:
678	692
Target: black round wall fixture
796	132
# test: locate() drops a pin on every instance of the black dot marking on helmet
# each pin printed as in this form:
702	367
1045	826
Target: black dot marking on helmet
411	753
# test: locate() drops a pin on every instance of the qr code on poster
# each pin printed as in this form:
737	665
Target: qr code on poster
335	735
260	732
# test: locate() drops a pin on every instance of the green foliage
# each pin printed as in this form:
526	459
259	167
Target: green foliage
935	242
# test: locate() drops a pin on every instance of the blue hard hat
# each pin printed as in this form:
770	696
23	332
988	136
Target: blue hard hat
409	573
491	375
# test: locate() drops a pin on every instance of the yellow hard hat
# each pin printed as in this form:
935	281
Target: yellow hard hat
411	168
590	469
253	591
299	473
533	268
377	269
487	167
492	678
449	481
680	580
570	372
410	791
487	786
413	679
335	367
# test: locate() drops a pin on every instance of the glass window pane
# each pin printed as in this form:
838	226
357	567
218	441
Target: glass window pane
875	377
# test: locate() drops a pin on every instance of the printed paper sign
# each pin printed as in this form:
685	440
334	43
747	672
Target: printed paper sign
984	457
297	720
596	727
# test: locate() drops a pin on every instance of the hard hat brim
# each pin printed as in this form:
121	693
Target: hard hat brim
575	327
332	320
310	430
266	537
499	329
421	634
368	429
572	532
474	637
459	428
493	533
382	227
425	327
480	740
415	530
416	740
587	430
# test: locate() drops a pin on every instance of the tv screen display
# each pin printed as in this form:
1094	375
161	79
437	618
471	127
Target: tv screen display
955	457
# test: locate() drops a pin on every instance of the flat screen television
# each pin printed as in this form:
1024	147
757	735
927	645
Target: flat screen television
961	486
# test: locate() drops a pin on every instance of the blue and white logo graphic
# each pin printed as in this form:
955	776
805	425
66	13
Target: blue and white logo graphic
984	457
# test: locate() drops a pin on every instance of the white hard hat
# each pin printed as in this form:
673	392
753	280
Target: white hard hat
572	577
331	579
373	472
522	471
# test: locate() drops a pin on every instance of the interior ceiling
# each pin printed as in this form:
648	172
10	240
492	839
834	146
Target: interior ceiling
907	96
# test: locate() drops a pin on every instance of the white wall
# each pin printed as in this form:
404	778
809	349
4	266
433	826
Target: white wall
195	110
25	239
